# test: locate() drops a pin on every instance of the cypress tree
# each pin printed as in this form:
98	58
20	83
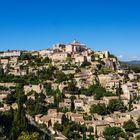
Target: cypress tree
20	120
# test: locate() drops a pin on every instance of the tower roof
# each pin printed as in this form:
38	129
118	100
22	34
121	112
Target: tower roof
75	42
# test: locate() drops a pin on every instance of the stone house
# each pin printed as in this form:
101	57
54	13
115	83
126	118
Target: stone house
84	79
134	115
101	54
112	85
79	59
43	119
4	61
108	98
66	103
121	116
69	71
50	119
130	90
55	86
3	94
8	84
95	102
114	122
75	117
37	88
46	52
133	76
13	59
5	107
74	47
58	118
10	53
59	47
104	79
15	71
78	104
59	56
99	127
52	112
34	53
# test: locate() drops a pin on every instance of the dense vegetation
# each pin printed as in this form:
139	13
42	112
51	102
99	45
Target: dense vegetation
132	66
102	109
73	130
15	125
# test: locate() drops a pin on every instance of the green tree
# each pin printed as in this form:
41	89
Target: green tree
60	77
46	60
58	96
130	105
1	72
129	126
84	136
116	105
85	63
72	106
90	129
25	56
39	104
69	59
20	120
6	119
113	132
30	104
10	98
58	127
72	88
72	102
82	128
91	137
119	90
27	136
99	109
48	88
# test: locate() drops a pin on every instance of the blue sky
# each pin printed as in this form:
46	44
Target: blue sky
112	25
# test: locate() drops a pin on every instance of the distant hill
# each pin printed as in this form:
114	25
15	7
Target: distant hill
133	65
134	62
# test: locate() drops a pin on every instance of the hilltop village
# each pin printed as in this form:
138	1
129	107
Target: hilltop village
70	92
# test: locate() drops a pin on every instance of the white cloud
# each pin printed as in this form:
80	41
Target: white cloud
120	56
